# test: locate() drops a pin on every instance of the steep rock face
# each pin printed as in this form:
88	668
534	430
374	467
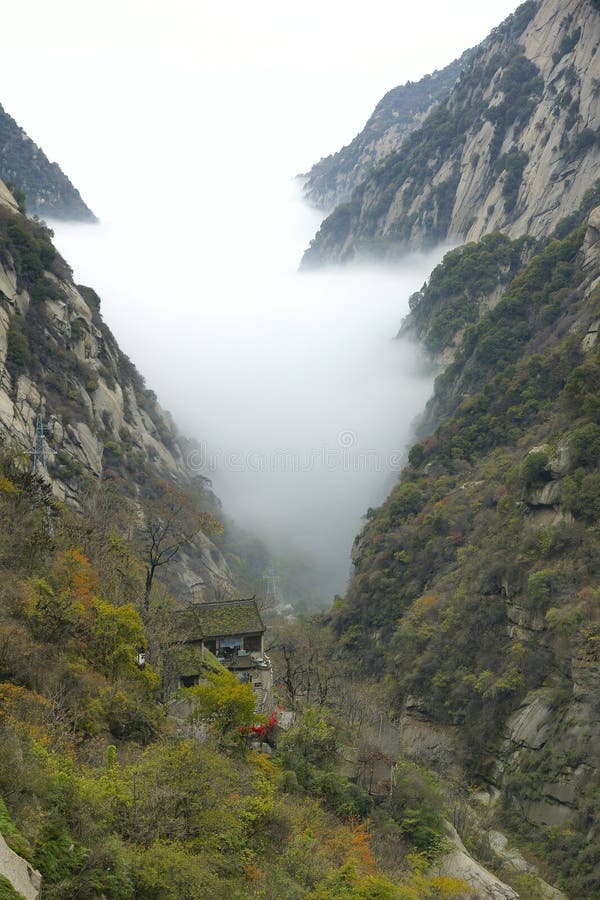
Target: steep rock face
59	361
513	148
26	880
332	180
475	590
48	191
458	863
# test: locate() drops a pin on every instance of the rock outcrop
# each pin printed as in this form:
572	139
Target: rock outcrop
475	592
458	863
25	880
513	148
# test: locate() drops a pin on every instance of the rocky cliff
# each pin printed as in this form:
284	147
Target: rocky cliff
513	147
60	362
332	180
20	876
475	595
48	192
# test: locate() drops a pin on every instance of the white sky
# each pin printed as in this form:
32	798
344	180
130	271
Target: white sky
73	71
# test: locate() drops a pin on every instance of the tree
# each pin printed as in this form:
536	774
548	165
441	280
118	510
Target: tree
170	522
305	660
223	701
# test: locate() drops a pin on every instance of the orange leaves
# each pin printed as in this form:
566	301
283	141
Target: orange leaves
17	700
60	606
73	573
361	847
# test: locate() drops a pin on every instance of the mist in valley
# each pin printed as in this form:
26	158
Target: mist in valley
292	383
184	136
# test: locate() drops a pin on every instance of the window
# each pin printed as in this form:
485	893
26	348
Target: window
230	643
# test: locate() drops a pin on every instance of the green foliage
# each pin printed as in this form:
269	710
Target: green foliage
17	353
12	835
416	803
223	701
467	597
166	871
400	109
512	163
451	300
584	446
7	891
117	635
26	170
346	799
567	44
535	468
581	495
310	745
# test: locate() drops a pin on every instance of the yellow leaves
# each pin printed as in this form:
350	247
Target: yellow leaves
116	635
7	486
252	871
222	700
19	701
420	885
443	886
266	768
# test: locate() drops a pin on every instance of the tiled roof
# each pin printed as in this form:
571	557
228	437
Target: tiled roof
229	617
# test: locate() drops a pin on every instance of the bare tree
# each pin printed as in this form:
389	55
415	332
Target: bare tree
170	522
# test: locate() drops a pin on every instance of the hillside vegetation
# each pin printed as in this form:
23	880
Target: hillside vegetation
109	796
475	595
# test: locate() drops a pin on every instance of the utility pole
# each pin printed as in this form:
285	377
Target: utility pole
39	465
39	462
273	595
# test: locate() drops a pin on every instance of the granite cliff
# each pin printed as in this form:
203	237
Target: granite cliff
513	147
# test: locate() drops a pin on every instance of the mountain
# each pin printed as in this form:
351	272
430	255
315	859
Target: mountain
513	147
48	192
59	361
475	595
133	764
332	180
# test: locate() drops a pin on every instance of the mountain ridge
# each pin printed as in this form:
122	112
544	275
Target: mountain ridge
332	180
513	147
47	191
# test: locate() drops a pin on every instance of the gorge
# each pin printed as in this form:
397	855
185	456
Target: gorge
438	724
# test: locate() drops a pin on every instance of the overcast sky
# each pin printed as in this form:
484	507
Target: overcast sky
80	76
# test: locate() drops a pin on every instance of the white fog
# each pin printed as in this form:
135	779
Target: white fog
185	143
292	382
